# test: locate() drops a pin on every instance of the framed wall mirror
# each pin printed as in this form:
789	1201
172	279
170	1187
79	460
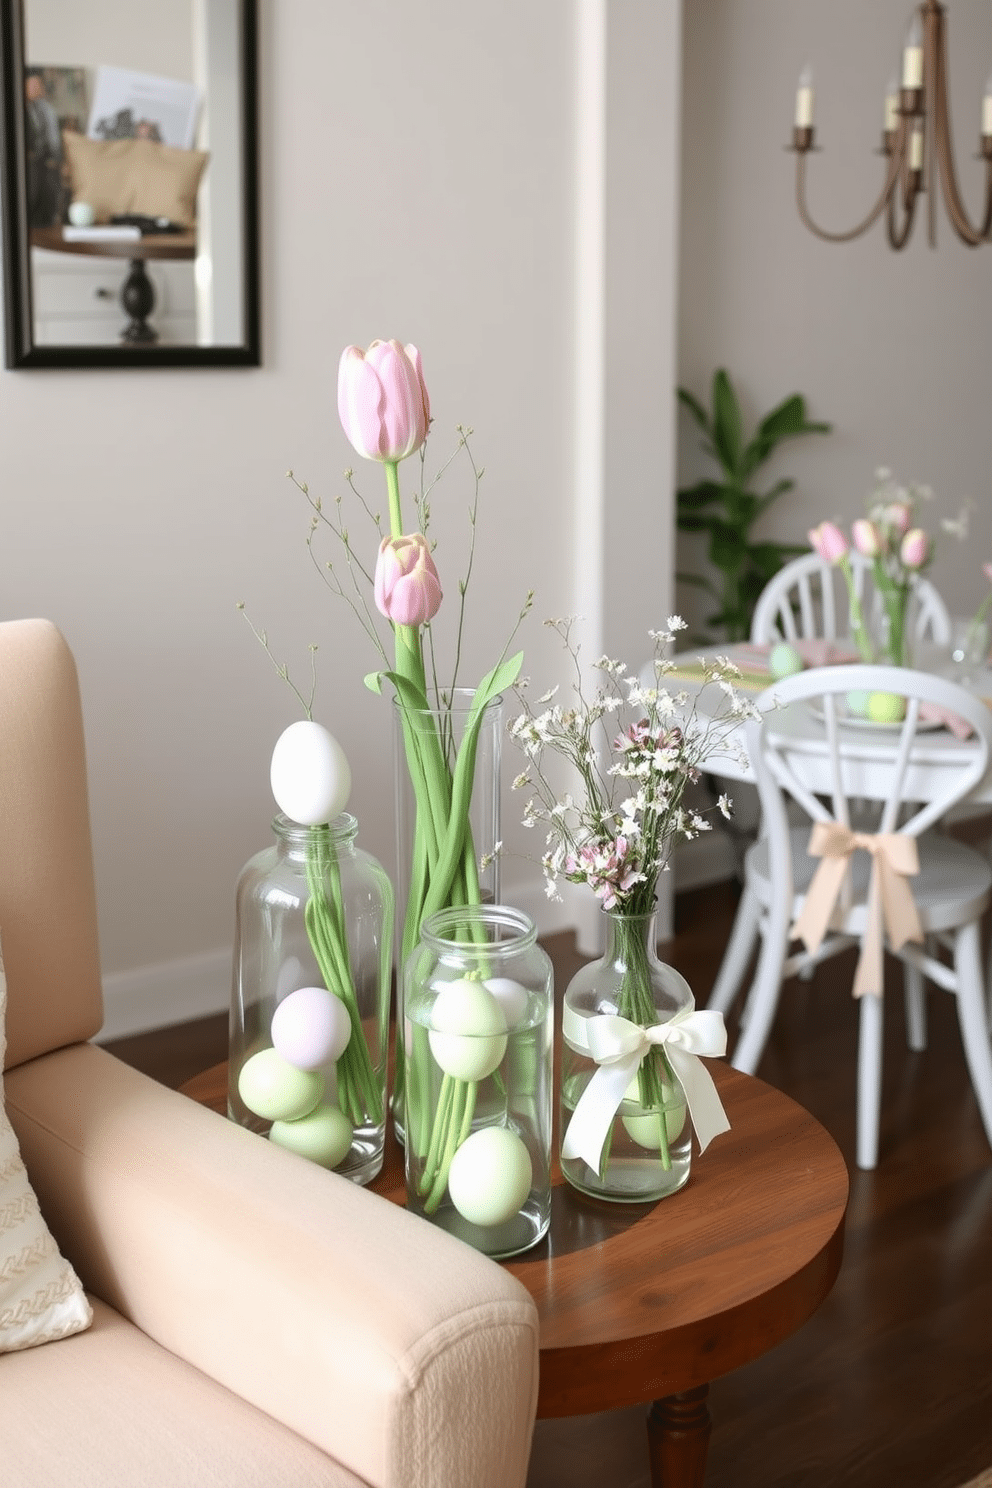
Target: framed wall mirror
129	183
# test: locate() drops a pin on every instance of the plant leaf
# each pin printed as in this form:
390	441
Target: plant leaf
727	430
695	408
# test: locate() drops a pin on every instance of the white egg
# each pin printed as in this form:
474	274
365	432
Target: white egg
310	776
490	1176
469	1037
311	1027
643	1129
511	996
324	1136
277	1090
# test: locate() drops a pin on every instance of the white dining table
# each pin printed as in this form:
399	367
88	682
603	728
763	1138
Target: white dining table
867	746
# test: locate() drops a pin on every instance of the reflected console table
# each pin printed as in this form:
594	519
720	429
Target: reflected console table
137	292
644	1303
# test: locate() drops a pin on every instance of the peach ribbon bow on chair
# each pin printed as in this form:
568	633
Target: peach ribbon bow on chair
890	899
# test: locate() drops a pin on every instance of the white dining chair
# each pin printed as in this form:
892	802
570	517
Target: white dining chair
804	750
808	599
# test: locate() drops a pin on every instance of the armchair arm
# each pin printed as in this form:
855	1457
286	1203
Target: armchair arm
399	1351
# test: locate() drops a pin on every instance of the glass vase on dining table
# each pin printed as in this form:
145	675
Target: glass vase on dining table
441	729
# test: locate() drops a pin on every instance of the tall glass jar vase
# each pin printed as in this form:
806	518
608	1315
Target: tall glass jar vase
478	1026
643	1150
310	998
444	729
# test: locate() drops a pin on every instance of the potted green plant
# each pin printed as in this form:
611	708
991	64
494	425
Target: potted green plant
727	508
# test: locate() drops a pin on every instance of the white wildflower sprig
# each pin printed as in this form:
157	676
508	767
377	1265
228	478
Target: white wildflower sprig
634	749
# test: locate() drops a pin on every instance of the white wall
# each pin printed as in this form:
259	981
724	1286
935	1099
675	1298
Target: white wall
418	172
894	349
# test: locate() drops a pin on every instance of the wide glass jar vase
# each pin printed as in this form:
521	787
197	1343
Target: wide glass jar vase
625	1128
310	997
478	1032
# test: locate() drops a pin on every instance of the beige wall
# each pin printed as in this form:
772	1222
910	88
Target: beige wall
420	179
894	349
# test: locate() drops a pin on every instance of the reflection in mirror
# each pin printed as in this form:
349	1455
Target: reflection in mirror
129	150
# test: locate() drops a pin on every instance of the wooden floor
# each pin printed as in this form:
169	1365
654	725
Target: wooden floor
890	1384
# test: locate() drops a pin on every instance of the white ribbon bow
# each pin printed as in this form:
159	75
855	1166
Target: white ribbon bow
618	1046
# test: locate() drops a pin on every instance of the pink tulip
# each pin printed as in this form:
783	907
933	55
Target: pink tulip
987	571
898	515
407	587
867	538
915	548
382	401
828	541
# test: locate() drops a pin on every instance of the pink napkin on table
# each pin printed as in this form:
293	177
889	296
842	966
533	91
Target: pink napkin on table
933	713
814	651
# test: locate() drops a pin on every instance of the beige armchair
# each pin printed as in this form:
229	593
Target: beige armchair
256	1320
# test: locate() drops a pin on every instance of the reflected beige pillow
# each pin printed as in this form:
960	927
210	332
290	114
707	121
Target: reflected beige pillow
134	175
41	1298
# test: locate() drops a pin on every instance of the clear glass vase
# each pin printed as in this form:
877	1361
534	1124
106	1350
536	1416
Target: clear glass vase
312	966
437	735
646	1150
478	1034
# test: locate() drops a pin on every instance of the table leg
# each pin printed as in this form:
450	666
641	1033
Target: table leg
678	1436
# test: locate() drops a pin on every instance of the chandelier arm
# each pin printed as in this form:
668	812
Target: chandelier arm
891	177
899	236
942	134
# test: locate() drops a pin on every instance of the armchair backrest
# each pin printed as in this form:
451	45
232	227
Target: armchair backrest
48	924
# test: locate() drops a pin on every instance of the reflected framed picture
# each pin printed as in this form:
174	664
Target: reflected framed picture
54	101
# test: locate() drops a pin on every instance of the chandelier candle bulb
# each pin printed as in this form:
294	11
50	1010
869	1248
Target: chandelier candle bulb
912	57
916	148
804	100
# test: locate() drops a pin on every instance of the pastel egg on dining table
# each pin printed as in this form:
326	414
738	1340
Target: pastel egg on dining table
310	775
857	704
311	1027
784	660
511	996
276	1090
324	1136
642	1125
468	1030
490	1176
886	707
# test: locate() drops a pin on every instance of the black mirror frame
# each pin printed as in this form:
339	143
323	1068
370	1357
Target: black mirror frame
21	352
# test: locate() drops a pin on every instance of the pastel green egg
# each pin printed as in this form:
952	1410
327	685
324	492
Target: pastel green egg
857	704
324	1136
784	660
643	1128
490	1176
886	707
276	1090
468	1037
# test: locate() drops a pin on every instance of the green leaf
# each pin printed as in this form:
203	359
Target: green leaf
728	551
777	490
704	493
785	421
727	430
695	408
373	681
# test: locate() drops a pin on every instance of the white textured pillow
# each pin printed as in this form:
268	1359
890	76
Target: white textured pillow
41	1298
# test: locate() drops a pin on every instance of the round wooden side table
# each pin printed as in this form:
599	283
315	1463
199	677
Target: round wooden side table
137	292
647	1303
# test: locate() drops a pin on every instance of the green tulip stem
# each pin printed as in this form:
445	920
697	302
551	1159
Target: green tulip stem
393	488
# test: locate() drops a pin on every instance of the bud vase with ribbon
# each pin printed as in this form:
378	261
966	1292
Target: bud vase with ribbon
632	1085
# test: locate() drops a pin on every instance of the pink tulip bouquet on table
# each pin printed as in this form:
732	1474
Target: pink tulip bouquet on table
898	548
